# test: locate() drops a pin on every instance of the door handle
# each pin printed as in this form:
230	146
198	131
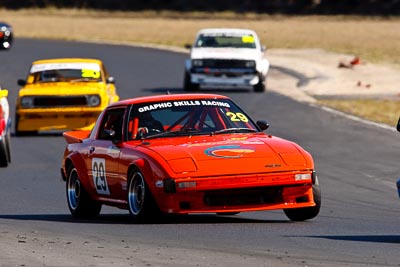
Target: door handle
91	149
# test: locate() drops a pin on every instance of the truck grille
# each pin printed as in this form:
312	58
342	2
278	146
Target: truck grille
60	101
224	63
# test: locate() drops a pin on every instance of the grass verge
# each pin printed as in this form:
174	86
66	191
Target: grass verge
378	110
374	39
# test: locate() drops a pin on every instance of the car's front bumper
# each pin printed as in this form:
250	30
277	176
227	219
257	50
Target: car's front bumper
56	119
236	194
213	79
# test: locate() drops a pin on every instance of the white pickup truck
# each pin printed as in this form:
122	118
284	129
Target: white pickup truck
224	57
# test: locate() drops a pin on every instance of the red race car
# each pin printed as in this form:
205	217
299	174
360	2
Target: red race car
186	153
5	129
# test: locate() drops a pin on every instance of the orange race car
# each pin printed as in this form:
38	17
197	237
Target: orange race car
186	153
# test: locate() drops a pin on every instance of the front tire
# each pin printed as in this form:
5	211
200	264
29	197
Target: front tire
308	213
141	204
79	202
260	86
188	85
5	151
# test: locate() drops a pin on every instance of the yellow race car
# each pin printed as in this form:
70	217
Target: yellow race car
63	94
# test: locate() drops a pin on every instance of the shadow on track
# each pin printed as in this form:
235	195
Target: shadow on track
395	239
126	219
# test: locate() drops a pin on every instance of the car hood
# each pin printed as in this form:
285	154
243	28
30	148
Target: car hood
61	88
258	153
226	53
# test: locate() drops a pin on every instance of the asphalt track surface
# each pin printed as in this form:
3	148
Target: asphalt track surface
357	166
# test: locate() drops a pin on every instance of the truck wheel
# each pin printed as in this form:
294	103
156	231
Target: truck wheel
188	85
260	86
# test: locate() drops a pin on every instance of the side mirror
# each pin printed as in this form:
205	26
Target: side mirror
21	82
110	80
3	93
188	46
398	125
108	134
263	125
111	135
263	48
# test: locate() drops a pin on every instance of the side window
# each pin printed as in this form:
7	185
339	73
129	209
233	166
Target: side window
105	72
111	125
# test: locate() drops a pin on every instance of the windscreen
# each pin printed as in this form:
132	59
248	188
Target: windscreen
217	41
64	72
187	117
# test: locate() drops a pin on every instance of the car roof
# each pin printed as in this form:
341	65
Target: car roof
67	60
167	97
225	30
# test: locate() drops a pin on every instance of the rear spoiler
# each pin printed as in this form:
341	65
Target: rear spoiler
76	136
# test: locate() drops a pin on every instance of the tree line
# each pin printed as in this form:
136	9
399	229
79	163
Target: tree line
323	7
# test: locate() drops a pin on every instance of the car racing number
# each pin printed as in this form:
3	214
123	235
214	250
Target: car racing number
86	73
237	116
99	176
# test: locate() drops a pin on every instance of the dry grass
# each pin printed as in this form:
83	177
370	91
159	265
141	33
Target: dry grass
378	110
373	39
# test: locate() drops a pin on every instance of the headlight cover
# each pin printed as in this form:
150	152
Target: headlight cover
93	100
250	64
27	102
197	63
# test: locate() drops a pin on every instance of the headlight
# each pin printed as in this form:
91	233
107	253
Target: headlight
250	64
27	102
93	100
197	63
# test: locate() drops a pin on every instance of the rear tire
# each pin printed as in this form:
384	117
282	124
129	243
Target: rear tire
303	214
79	202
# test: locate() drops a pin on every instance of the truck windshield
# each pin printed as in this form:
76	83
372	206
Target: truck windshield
217	41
